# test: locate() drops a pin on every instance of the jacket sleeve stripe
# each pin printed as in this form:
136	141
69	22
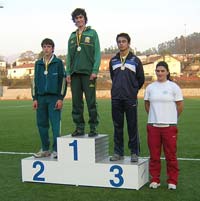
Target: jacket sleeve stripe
63	87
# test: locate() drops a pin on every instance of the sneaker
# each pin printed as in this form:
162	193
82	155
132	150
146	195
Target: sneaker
154	185
54	154
77	133
134	158
42	154
116	157
171	186
92	134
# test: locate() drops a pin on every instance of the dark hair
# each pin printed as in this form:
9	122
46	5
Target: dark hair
79	11
47	41
125	35
165	65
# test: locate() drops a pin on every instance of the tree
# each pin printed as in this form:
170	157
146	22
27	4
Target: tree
150	51
1	58
28	56
111	50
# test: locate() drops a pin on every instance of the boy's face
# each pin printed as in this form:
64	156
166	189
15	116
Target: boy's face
122	43
79	21
47	49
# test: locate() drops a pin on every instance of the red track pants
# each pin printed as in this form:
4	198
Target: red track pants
166	137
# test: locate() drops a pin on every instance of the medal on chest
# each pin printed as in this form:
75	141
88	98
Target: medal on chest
122	67
78	39
123	61
47	62
79	48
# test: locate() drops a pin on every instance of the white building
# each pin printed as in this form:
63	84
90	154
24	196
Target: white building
2	65
21	71
173	63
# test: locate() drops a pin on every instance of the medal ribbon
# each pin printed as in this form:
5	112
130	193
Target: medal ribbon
78	37
123	59
47	63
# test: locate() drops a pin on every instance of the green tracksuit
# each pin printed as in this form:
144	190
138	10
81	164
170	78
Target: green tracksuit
80	65
47	90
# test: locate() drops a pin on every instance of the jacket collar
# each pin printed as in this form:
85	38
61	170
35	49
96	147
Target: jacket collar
86	28
41	61
130	54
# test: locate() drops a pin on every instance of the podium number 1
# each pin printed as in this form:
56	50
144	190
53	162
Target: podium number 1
74	145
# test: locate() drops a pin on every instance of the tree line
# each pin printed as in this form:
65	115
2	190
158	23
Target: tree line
179	45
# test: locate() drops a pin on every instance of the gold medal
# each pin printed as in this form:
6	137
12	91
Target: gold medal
123	61
123	67
78	38
47	62
79	48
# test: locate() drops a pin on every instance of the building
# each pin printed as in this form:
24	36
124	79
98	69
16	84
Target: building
105	59
151	62
21	71
2	65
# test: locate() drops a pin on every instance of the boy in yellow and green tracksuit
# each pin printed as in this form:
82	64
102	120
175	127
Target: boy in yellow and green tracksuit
48	92
83	61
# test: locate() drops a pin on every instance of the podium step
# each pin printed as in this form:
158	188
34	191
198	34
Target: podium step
85	161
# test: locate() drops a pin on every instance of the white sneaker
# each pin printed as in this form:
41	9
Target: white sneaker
54	154
42	154
154	185
171	186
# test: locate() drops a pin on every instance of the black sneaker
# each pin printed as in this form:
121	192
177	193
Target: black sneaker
77	133
92	134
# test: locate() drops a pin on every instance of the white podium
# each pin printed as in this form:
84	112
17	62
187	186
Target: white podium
85	161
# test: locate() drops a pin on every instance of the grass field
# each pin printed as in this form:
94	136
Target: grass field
18	133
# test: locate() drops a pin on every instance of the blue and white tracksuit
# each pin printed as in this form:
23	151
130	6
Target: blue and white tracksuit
125	86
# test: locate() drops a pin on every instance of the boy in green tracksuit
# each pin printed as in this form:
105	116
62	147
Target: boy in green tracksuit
48	92
83	61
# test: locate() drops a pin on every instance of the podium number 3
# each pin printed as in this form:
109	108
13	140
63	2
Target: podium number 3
37	177
118	175
74	145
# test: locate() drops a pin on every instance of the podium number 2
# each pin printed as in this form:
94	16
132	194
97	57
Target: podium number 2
118	175
74	145
37	177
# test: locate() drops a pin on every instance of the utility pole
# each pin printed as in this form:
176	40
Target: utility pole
1	5
185	49
1	86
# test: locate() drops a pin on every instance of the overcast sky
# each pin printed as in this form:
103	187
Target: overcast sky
24	23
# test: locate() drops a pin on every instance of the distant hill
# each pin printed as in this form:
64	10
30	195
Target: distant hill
179	45
12	58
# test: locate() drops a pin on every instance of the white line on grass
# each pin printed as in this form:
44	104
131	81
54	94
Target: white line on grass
14	106
15	153
28	153
180	159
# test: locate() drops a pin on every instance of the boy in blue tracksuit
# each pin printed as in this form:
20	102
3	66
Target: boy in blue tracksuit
48	92
127	76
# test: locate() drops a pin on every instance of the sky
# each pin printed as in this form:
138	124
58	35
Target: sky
25	23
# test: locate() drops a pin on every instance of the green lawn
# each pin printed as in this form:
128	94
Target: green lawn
18	133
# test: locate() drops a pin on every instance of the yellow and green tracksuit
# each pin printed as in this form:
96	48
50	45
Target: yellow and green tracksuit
80	65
